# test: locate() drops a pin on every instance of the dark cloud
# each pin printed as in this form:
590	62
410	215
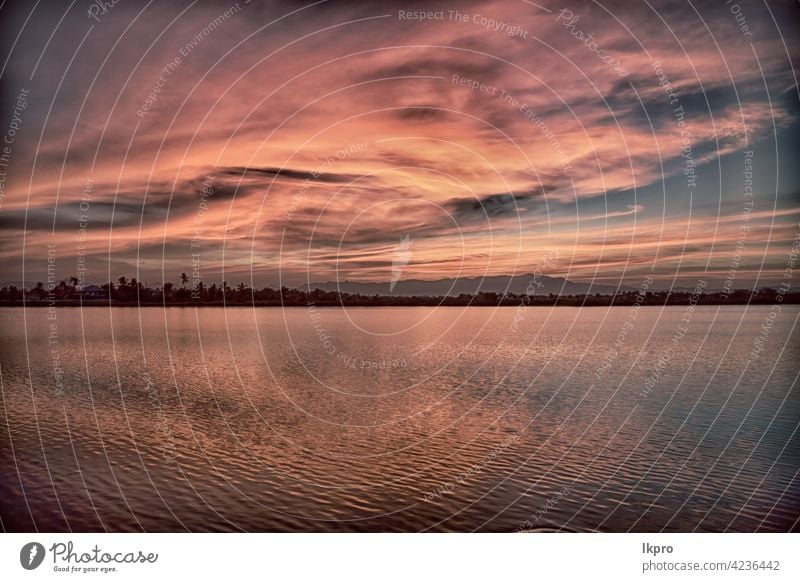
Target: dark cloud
288	174
100	214
491	205
109	206
423	113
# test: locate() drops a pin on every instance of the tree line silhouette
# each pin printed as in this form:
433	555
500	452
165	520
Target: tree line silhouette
126	292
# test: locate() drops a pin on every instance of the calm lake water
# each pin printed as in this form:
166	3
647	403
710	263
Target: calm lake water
399	419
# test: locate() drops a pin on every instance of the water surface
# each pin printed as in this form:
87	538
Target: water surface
399	419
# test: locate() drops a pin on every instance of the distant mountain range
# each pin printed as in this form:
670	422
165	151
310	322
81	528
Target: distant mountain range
541	285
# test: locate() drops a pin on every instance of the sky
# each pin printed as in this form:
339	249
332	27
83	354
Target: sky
281	143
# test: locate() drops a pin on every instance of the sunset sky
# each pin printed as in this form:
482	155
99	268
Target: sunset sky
324	133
